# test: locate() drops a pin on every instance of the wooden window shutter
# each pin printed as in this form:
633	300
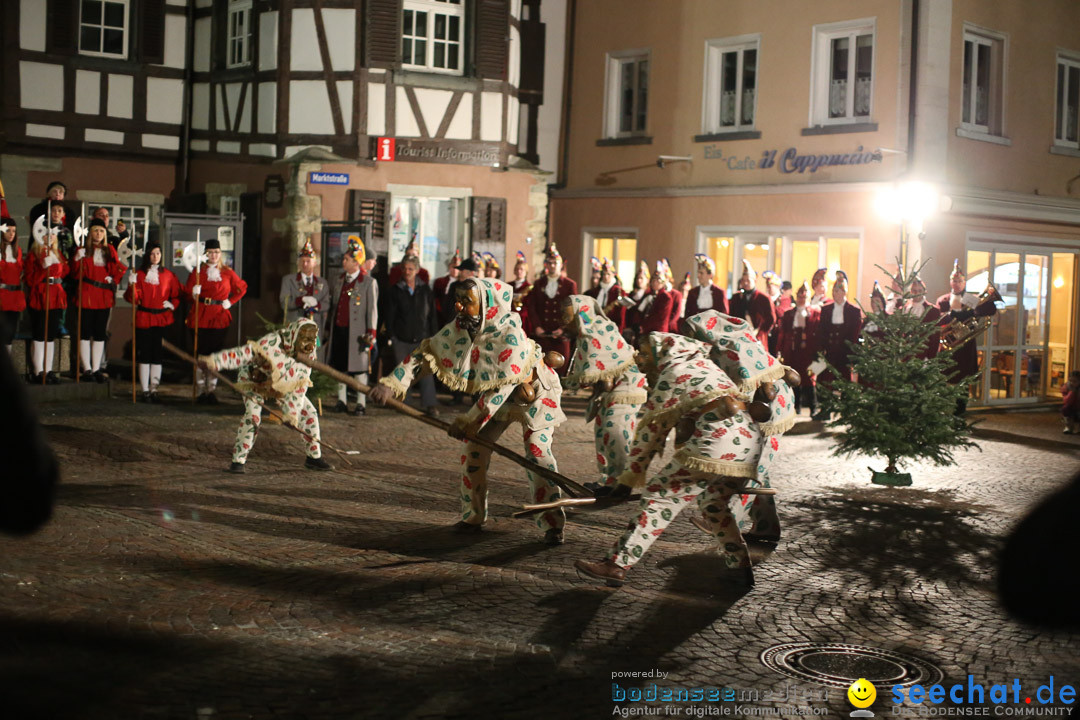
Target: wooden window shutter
62	17
382	39
492	38
374	207
251	253
489	227
152	31
219	33
533	37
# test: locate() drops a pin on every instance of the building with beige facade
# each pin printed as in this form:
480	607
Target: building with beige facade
778	131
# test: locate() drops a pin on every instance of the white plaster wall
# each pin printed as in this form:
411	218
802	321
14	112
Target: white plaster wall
161	142
405	123
220	121
345	91
200	145
200	106
265	149
41	86
461	126
267	120
121	95
513	110
87	92
232	91
245	112
32	25
268	38
104	136
202	45
228	146
165	100
514	71
376	109
46	131
309	108
433	104
340	27
304	52
175	40
491	116
553	14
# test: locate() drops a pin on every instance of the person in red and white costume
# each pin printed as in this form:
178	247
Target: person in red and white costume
817	288
155	292
12	298
706	296
841	325
45	269
607	294
752	305
655	307
544	304
917	305
521	286
216	288
677	304
958	304
353	322
798	341
98	272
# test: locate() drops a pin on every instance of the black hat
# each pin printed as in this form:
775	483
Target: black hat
55	183
468	264
98	222
212	244
5	220
151	245
786	285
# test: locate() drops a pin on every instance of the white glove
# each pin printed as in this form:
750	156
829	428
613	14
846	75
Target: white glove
50	259
197	290
226	304
80	254
108	279
133	277
309	301
168	305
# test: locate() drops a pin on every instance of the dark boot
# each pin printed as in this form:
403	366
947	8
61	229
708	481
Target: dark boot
317	464
466	528
237	468
554	536
606	570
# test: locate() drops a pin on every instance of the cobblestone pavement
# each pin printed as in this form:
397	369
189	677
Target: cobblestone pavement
164	587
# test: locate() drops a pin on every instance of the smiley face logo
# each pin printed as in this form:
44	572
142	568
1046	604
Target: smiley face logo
861	693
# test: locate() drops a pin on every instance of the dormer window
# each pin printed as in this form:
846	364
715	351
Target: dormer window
103	26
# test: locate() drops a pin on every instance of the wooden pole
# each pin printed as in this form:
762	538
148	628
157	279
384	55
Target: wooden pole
228	383
569	486
78	329
134	310
198	300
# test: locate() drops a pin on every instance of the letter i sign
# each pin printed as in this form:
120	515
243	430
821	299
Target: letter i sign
386	151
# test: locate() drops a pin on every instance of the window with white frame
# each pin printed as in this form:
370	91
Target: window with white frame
730	83
432	35
103	28
982	96
843	70
627	101
230	206
238	39
1068	102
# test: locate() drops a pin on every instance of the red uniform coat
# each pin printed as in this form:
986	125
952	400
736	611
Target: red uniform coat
931	314
656	317
526	323
96	293
799	346
676	311
151	298
12	298
544	313
833	338
211	313
397	272
617	314
758	309
693	306
36	279
965	357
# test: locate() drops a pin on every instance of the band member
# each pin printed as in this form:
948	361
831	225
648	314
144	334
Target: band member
655	307
99	272
677	299
491	267
841	322
45	268
544	303
305	294
216	288
706	296
595	267
633	317
917	305
444	304
799	337
411	250
604	361
12	298
522	287
894	300
484	351
817	288
753	305
962	306
154	291
354	317
607	294
270	369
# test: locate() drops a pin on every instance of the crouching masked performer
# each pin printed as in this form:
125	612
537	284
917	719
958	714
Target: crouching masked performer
484	351
270	369
603	360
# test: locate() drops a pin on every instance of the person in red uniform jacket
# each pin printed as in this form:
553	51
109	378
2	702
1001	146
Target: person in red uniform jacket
521	286
154	291
706	296
637	295
45	269
441	289
917	305
607	294
655	308
12	299
753	305
663	268
216	288
99	272
544	305
841	323
396	271
798	340
961	305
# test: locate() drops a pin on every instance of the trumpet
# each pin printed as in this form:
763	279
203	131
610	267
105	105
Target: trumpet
518	300
959	331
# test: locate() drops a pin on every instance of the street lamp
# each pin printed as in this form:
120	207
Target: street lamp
909	204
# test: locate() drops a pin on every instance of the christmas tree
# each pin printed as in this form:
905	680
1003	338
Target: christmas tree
902	406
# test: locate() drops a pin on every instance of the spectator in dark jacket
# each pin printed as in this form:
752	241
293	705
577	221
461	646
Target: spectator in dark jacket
54	195
409	315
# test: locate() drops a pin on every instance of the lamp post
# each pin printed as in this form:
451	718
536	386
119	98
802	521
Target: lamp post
909	203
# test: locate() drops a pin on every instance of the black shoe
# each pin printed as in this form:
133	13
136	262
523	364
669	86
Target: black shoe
99	377
317	464
621	491
201	399
146	397
747	577
237	468
465	528
341	407
154	397
86	376
761	538
554	536
211	399
359	410
37	379
52	379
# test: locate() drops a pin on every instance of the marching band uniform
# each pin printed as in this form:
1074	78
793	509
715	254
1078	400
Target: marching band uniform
753	306
607	295
840	324
522	287
215	288
305	295
155	293
491	267
544	304
817	287
706	297
799	336
99	271
918	306
354	318
12	298
655	308
963	306
45	269
676	312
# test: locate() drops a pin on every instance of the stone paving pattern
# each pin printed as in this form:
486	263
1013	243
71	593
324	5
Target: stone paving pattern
164	587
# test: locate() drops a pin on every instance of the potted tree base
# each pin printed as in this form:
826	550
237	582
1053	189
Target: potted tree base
890	477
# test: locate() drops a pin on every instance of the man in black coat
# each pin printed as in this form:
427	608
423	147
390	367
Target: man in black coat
409	315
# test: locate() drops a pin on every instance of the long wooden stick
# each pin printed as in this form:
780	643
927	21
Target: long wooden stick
78	329
569	486
198	301
48	292
279	416
134	312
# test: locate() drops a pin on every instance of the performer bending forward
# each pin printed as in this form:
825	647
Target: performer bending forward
269	370
484	350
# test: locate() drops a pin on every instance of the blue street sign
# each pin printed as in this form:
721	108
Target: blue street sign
321	178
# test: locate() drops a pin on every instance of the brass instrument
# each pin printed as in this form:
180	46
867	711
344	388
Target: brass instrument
518	301
957	332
